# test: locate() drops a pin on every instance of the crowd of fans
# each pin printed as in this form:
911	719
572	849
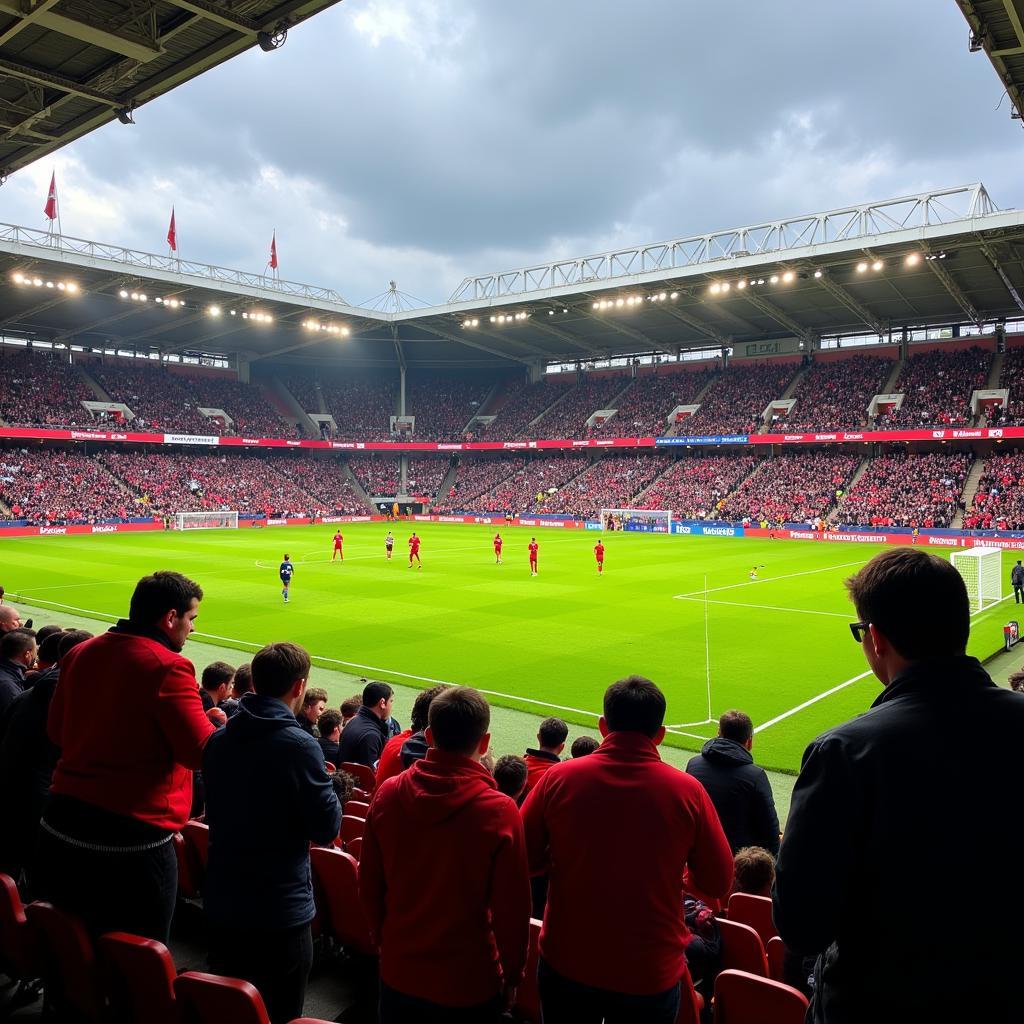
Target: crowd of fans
379	474
426	474
569	418
644	409
835	395
796	487
999	501
736	402
610	482
525	404
937	389
696	487
362	408
42	390
1010	376
444	405
327	481
907	490
531	487
474	477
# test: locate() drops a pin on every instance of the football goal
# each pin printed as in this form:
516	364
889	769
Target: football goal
206	520
639	520
982	570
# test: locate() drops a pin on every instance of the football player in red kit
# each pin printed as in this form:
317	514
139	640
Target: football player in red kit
599	555
338	541
414	550
533	556
497	548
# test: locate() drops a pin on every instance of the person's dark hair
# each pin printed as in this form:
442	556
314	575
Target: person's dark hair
243	680
156	595
18	641
49	646
421	706
583	745
343	784
552	732
736	726
634	704
754	869
919	601
350	708
276	668
1016	680
374	693
71	638
313	695
510	775
216	674
48	630
329	721
458	719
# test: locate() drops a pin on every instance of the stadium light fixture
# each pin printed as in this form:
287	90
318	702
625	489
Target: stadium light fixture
862	267
123	294
877	265
37	282
675	295
817	274
72	287
49	284
715	288
912	259
788	277
19	278
143	297
213	310
774	279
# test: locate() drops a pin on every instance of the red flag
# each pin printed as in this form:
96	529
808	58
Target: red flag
51	198
273	252
172	234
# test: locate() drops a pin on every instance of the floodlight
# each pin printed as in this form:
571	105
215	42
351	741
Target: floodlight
619	302
740	285
49	284
123	294
675	295
913	259
214	311
877	265
715	288
817	273
18	279
774	279
862	267
788	276
37	282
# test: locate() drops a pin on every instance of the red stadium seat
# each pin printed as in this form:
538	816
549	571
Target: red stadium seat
351	828
366	780
337	876
527	997
139	975
743	998
188	880
354	847
776	953
211	999
361	795
357	808
742	949
16	959
71	978
197	847
755	911
329	768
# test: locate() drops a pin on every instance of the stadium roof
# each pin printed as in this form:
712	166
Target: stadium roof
69	66
942	257
997	27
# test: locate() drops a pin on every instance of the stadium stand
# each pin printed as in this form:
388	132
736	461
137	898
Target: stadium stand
426	474
477	476
362	409
835	394
737	399
41	390
379	474
525	405
937	388
609	482
1010	376
644	409
695	487
999	501
443	406
569	417
907	490
794	488
327	481
532	481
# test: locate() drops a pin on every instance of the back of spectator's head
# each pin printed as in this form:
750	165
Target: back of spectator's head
216	675
161	593
69	639
1016	681
736	726
458	721
510	775
48	647
754	870
350	708
634	704
19	645
10	618
551	734
917	601
243	680
583	745
421	706
48	630
278	669
329	723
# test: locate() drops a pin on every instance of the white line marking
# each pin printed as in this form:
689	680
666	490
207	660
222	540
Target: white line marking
768	579
769	607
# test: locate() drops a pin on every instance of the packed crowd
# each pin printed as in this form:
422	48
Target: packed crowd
52	486
379	474
443	405
836	395
426	474
999	501
644	409
327	481
907	490
696	487
523	405
937	389
797	487
362	409
42	390
569	417
736	402
531	487
613	481
1011	376
474	477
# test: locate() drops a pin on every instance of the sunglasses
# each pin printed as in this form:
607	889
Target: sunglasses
859	630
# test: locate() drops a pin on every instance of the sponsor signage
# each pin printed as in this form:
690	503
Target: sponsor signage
207	439
705	439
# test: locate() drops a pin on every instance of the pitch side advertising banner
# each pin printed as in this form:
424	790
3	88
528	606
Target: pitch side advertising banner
709	530
71	531
704	439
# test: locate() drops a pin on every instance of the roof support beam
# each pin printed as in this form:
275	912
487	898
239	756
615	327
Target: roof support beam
399	351
569	339
630	332
780	316
462	340
997	266
838	292
953	289
219	14
697	324
24	73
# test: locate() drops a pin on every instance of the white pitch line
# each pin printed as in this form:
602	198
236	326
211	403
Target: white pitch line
770	607
767	579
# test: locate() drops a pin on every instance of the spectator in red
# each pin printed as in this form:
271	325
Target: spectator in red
391	756
614	935
443	877
551	738
130	726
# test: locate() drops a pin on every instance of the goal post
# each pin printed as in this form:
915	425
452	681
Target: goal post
982	571
637	520
206	520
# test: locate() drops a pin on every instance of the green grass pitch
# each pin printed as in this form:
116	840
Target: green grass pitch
548	645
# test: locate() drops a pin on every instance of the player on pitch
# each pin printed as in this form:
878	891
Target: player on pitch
599	555
338	541
533	556
389	544
285	572
497	548
414	550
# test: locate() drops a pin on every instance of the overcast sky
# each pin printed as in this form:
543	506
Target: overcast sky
428	140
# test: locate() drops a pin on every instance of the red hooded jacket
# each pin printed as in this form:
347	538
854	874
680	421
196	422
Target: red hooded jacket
444	881
616	831
390	762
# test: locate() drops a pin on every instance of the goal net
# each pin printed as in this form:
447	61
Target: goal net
982	570
638	520
206	520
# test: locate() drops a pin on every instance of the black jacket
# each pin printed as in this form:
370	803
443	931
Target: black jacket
1017	576
890	840
413	749
267	798
741	793
331	750
12	682
363	739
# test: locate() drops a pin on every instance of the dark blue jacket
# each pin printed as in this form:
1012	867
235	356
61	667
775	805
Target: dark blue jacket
267	798
363	739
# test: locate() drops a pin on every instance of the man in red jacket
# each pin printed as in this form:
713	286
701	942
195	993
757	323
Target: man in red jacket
443	878
128	720
615	831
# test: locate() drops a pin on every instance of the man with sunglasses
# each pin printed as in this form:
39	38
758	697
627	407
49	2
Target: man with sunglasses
899	806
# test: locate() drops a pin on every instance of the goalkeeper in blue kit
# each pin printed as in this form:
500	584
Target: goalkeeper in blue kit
285	572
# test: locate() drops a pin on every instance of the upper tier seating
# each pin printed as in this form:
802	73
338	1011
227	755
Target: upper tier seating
524	405
569	418
835	395
379	474
736	400
937	389
644	409
362	409
42	390
443	406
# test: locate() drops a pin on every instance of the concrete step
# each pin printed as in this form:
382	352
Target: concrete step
969	491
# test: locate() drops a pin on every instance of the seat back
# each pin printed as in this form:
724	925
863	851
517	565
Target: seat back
776	953
741	948
365	778
743	998
197	840
329	767
337	875
755	911
15	935
527	995
139	976
354	847
211	999
188	881
357	808
351	828
67	961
